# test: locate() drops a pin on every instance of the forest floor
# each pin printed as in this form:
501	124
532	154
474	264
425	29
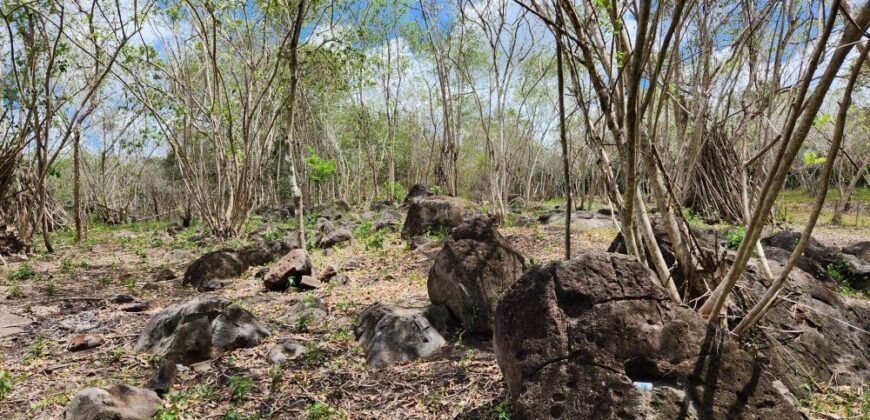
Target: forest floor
69	288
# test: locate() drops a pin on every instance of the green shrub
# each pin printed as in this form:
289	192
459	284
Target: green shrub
240	386
322	411
6	384
22	273
734	236
398	190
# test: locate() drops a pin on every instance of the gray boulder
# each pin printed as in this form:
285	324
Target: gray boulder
597	337
220	264
199	329
334	238
290	268
859	249
392	334
229	263
428	214
472	270
116	402
388	220
287	350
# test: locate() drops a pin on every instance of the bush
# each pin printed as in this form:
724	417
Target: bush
6	383
734	236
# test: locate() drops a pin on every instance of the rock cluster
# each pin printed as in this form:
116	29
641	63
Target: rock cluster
199	329
475	266
596	337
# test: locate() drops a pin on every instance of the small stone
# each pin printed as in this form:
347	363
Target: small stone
334	238
114	402
121	299
164	274
163	378
210	286
326	274
291	267
85	342
309	282
288	350
134	307
341	279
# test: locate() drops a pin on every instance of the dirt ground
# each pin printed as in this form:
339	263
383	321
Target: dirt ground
330	380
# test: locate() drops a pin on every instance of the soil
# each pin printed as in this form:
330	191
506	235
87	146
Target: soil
71	289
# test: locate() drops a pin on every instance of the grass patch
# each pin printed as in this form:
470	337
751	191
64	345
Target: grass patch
844	402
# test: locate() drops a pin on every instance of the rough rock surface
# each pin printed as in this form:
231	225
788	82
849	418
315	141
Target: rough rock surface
199	328
388	220
85	342
338	236
11	324
819	260
312	310
392	334
859	249
432	214
472	270
572	337
817	331
220	264
290	267
228	263
287	350
416	191
116	402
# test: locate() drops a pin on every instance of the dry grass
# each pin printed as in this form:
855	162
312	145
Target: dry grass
331	380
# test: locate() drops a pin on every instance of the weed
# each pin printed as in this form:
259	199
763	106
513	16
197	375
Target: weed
232	414
734	236
24	272
376	241
466	359
36	349
343	334
276	372
841	273
398	190
50	287
6	384
15	290
539	235
438	234
363	230
130	284
693	218
273	235
49	401
313	354
534	262
301	323
502	412
240	386
322	411
114	355
343	305
66	266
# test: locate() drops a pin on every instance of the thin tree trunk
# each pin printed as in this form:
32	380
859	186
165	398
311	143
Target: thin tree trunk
563	134
77	199
764	303
294	64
